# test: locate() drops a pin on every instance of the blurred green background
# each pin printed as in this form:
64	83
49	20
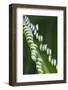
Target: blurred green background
47	28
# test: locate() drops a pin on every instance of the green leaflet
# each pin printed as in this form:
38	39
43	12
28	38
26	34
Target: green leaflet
39	52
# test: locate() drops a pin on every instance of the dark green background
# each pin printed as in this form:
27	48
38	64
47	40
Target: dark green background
47	28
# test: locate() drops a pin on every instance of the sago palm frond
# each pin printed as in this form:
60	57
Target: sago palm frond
41	54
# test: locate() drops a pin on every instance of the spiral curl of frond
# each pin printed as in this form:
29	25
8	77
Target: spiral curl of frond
30	31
